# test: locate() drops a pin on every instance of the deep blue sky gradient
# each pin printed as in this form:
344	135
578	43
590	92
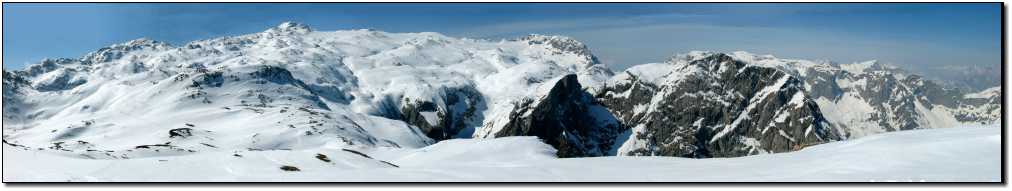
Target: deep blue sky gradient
620	34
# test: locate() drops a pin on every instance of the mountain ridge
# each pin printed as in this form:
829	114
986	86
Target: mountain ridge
292	87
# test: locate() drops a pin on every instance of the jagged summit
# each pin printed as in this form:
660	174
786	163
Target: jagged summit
694	55
563	43
707	104
118	50
704	59
144	41
871	97
872	66
290	27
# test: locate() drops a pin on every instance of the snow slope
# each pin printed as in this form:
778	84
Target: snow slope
944	154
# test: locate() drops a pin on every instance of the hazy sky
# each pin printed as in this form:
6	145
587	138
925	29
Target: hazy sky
619	34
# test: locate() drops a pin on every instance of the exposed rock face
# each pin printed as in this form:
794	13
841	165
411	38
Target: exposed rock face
13	84
454	110
709	105
896	98
566	117
982	107
180	132
592	77
14	87
562	45
870	97
288	28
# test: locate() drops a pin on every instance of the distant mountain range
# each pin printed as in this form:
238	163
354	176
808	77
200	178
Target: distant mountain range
972	78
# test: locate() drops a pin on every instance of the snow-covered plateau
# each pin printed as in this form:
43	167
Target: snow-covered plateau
293	104
946	154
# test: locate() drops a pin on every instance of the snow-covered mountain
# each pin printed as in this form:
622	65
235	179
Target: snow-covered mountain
983	106
288	87
705	104
869	97
971	77
293	88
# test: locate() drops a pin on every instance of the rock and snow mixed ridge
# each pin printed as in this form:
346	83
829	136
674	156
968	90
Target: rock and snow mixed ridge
564	115
709	105
293	88
870	97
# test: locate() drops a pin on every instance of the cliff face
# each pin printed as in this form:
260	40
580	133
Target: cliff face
709	105
566	117
870	97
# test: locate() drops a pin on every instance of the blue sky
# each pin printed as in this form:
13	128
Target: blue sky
620	34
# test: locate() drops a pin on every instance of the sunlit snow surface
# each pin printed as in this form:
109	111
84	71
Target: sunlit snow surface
945	154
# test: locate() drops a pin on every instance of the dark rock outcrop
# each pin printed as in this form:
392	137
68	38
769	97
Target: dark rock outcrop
13	83
713	106
14	86
209	79
445	116
181	133
567	118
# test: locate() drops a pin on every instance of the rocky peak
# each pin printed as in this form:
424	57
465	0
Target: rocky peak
980	107
562	43
695	56
46	65
14	87
872	97
13	80
565	117
713	106
144	42
119	50
290	28
870	66
750	56
709	61
567	87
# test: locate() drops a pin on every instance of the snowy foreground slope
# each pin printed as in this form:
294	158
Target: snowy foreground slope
947	154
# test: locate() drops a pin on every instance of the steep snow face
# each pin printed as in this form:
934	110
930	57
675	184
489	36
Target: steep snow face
705	104
870	97
288	87
944	154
